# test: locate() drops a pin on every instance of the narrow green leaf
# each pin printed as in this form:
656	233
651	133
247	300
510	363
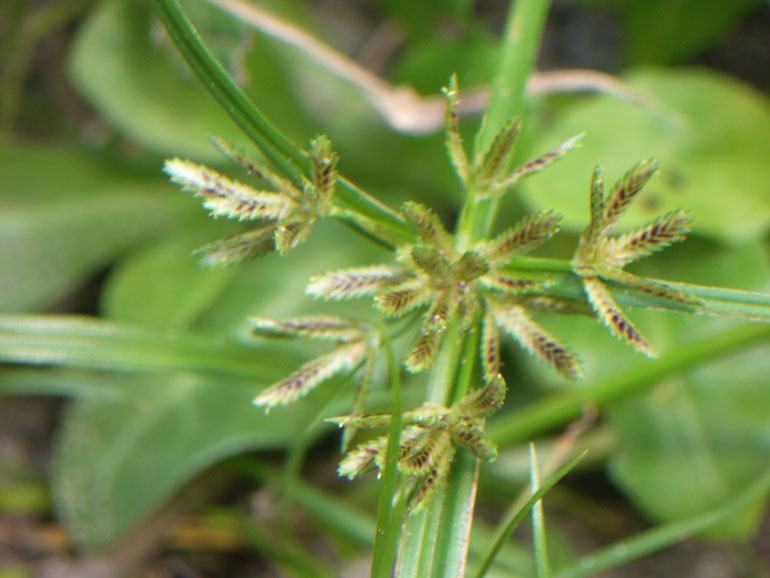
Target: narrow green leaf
79	341
665	535
508	526
538	520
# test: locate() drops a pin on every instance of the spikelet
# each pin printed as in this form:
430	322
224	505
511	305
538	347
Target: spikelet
424	353
655	236
525	236
290	233
453	141
556	305
471	265
624	191
493	163
307	377
426	487
237	248
484	401
428	226
655	288
471	435
327	327
423	453
539	164
511	285
227	198
441	311
259	170
467	306
364	457
350	283
324	168
490	348
402	298
611	315
433	262
514	320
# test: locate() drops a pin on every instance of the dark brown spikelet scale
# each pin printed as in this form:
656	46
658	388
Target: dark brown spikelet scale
401	299
510	285
499	151
424	352
427	225
237	248
626	189
490	348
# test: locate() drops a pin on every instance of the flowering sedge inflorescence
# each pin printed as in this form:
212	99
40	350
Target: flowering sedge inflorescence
469	286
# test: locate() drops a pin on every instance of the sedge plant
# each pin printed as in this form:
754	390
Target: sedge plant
460	289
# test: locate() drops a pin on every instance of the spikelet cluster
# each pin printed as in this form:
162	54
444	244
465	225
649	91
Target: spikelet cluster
600	258
427	443
287	211
448	281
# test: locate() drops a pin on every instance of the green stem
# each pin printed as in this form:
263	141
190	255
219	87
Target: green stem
559	410
389	517
521	40
279	149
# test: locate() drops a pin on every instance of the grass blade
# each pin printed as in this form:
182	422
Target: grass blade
390	515
538	520
80	341
665	535
509	526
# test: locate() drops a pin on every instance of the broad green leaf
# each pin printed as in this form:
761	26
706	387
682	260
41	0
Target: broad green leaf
711	139
116	461
65	215
164	285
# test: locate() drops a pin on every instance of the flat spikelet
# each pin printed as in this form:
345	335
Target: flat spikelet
624	192
424	353
490	348
252	167
327	327
513	319
471	435
350	283
428	226
453	141
511	285
363	458
655	236
499	153
402	298
611	315
307	377
528	234
484	401
541	163
471	265
237	248
433	262
422	454
227	198
324	174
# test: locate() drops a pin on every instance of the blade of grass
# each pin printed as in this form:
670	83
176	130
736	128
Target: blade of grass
390	515
665	535
558	410
508	526
538	522
80	341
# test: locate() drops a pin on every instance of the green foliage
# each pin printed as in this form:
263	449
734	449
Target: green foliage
167	381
